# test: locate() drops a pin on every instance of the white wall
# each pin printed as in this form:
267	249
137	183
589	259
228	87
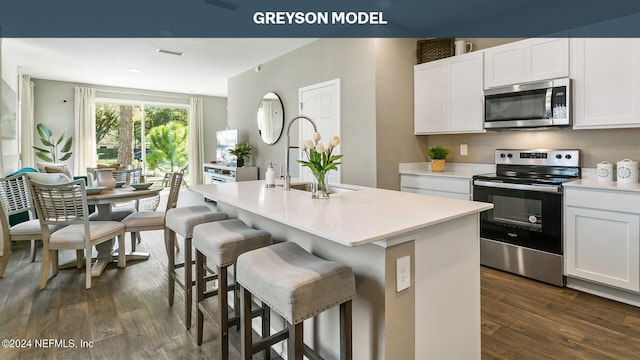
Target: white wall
350	60
10	148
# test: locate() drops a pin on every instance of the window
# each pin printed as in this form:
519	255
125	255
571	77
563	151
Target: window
137	134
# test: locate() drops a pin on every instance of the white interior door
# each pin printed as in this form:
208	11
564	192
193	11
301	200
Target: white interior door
321	103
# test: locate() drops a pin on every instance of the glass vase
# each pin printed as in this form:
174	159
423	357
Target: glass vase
320	189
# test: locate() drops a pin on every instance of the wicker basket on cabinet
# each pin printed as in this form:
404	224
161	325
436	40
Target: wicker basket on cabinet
434	49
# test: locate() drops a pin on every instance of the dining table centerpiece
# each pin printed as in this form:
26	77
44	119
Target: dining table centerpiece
320	160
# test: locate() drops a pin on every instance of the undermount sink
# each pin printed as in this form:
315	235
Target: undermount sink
306	186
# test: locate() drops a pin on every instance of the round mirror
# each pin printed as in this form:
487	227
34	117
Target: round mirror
270	118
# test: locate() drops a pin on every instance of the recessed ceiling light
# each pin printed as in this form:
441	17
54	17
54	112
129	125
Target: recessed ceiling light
170	52
135	70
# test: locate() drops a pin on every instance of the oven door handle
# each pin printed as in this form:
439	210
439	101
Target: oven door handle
503	185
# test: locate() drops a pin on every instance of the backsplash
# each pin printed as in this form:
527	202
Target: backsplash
610	145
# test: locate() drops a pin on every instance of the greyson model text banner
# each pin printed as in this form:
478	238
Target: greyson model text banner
314	18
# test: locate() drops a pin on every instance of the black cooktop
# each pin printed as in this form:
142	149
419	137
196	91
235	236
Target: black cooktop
532	174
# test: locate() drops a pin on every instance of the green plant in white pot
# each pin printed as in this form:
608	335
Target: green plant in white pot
56	150
438	156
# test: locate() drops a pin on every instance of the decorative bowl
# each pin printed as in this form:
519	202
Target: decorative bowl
95	190
120	183
141	186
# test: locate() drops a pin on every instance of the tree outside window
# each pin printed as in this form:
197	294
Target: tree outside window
119	136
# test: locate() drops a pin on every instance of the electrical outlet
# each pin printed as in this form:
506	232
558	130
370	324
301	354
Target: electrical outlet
403	273
463	149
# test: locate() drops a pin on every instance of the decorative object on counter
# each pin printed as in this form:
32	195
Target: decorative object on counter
270	176
321	161
463	47
52	153
627	171
605	171
241	151
104	177
438	156
434	49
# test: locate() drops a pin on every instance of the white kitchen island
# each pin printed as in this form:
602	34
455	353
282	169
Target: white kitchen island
437	317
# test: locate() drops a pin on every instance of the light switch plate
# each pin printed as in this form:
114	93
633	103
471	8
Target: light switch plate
403	273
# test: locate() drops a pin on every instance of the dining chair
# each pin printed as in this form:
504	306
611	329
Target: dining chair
65	204
129	177
15	200
153	220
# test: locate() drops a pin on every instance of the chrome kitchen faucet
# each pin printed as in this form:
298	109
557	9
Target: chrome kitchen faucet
287	177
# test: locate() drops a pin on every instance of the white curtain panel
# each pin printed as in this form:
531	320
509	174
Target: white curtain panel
196	141
27	122
84	142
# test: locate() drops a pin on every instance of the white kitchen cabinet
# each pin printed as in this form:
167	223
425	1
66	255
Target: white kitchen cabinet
437	185
602	237
606	82
526	61
217	173
448	95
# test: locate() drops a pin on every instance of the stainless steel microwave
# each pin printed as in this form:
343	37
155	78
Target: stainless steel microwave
531	105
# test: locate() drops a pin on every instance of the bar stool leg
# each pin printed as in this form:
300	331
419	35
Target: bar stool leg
188	281
236	295
171	236
223	312
200	289
266	328
295	344
246	335
346	348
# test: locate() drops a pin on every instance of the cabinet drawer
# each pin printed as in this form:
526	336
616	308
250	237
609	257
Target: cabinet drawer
604	200
436	183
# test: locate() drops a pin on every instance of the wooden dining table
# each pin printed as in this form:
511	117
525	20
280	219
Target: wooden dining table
104	202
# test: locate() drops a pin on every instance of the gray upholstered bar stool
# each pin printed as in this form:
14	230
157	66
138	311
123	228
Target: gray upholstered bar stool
181	221
297	286
219	243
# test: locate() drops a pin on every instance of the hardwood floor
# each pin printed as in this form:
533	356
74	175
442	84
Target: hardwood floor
525	319
126	316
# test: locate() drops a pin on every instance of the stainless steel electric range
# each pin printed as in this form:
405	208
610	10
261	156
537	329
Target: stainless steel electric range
522	234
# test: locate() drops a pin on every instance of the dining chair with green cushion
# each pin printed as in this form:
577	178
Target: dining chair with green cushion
65	204
15	199
153	220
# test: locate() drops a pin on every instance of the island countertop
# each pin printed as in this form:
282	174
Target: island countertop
350	218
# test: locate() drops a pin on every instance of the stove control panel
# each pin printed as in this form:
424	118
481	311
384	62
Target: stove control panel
544	157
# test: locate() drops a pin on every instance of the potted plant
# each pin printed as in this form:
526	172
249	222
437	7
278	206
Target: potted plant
51	152
438	155
241	151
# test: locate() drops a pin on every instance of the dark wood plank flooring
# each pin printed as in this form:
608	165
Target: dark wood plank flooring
126	316
526	319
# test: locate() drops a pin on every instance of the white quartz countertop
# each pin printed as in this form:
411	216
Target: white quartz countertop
457	170
351	218
599	185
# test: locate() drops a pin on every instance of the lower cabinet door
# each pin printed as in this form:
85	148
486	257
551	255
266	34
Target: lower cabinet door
603	246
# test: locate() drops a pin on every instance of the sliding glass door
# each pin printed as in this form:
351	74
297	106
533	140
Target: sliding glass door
151	136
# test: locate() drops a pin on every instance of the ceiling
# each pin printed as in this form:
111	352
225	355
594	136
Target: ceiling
204	68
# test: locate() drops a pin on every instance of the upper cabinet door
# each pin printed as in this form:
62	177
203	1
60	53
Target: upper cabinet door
606	76
526	61
606	86
504	65
546	58
466	101
430	97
